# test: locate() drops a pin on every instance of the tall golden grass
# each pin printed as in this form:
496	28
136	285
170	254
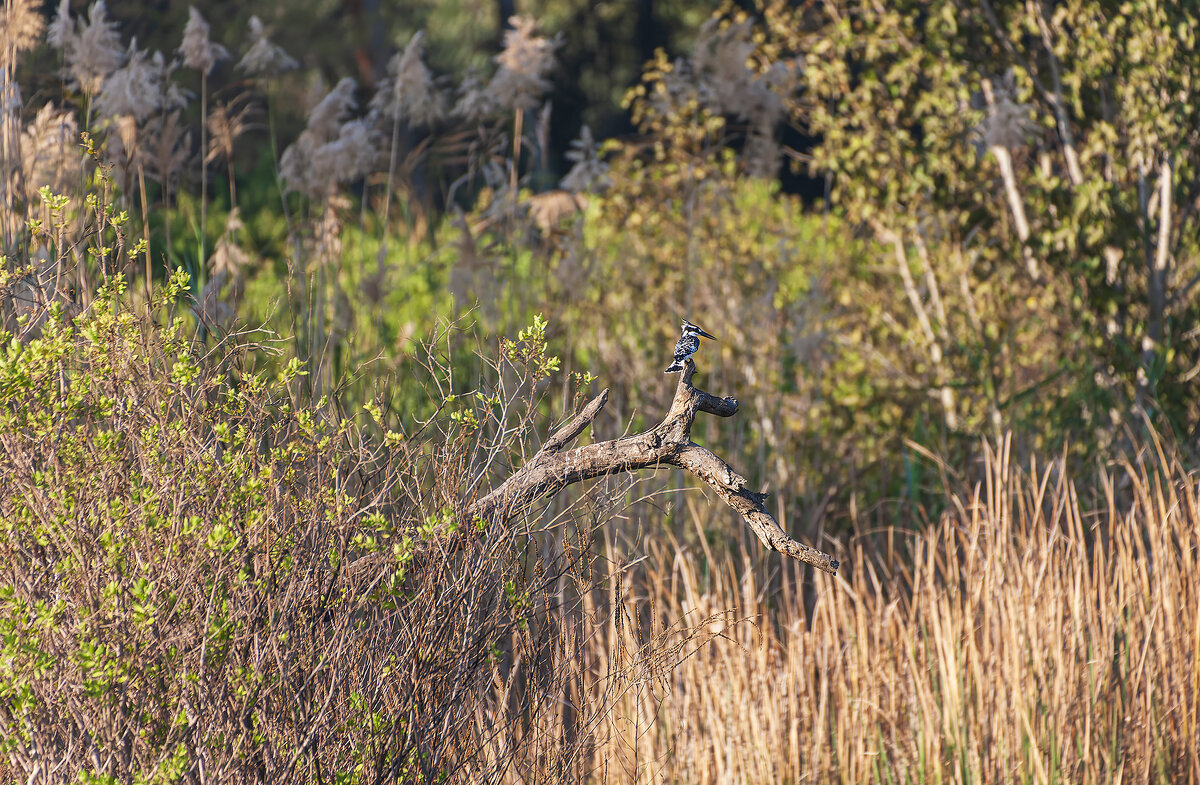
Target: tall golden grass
1029	636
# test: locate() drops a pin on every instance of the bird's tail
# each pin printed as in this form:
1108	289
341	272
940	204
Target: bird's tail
674	367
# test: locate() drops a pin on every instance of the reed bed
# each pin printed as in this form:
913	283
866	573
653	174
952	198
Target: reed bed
1029	636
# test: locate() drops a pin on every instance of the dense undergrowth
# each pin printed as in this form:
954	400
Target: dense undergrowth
970	269
251	377
209	579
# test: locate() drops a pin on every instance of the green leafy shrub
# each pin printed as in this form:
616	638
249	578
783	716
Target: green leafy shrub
207	574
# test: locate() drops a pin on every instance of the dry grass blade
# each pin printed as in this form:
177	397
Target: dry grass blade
1033	648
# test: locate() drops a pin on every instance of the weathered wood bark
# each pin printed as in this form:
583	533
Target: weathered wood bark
666	444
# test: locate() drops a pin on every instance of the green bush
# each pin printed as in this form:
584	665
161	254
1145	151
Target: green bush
208	575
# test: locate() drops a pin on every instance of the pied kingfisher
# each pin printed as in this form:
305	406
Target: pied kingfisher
687	345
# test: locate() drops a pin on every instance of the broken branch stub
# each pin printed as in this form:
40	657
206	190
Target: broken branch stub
666	444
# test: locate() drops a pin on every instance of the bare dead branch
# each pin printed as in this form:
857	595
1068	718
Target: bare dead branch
666	444
575	426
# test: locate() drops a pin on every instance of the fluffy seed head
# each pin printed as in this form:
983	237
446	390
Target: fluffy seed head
229	257
135	88
61	28
343	159
168	147
474	102
408	92
328	152
22	24
326	117
525	63
93	50
588	172
197	50
50	153
227	121
264	58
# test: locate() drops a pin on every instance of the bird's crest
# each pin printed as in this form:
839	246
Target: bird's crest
691	328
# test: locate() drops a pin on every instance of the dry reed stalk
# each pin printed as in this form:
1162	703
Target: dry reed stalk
1028	636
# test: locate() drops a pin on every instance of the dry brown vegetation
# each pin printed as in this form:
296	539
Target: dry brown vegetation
231	557
1028	636
286	609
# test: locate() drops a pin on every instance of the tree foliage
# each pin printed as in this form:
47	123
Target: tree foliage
1030	170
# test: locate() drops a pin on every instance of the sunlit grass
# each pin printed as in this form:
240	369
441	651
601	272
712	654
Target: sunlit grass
1028	636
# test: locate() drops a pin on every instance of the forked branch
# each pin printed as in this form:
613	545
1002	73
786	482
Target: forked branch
666	444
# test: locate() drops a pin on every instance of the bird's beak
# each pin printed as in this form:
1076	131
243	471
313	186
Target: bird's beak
706	335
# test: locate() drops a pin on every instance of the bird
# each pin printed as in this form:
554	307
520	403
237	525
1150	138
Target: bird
687	345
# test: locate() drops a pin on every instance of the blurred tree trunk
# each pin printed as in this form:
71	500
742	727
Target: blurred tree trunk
505	9
651	34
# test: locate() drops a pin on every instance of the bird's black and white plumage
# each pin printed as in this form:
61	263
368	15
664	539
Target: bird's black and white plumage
687	345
